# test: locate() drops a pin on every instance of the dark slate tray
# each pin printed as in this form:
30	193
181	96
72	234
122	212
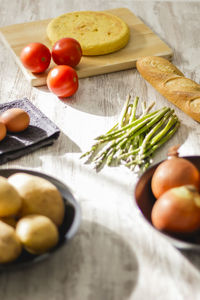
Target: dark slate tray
40	133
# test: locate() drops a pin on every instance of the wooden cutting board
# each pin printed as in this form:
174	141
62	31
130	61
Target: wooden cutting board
142	42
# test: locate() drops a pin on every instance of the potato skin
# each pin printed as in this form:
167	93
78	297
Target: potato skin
10	200
39	196
177	210
37	233
10	246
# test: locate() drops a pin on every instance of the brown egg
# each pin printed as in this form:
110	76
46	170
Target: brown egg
15	119
3	131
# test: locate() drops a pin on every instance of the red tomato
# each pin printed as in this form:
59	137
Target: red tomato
36	57
67	51
63	81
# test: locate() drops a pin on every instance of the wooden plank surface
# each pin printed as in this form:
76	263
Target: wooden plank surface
115	255
142	42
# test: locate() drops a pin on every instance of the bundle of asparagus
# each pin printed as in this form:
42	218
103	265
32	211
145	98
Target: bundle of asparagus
133	140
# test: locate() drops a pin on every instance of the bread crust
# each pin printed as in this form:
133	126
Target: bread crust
171	83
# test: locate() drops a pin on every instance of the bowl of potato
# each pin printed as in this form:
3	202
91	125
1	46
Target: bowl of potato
38	215
168	197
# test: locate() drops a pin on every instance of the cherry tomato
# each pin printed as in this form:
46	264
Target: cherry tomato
36	57
67	51
63	81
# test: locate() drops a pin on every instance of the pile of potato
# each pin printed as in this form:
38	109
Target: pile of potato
31	210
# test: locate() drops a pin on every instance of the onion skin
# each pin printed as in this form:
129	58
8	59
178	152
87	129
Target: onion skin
177	210
174	172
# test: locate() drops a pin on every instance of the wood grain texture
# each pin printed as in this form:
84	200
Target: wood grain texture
142	42
115	254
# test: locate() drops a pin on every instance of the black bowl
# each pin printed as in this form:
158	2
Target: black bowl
67	230
145	201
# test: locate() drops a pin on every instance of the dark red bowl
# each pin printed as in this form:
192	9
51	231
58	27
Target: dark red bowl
145	201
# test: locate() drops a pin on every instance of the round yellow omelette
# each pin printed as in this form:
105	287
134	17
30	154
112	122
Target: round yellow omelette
97	32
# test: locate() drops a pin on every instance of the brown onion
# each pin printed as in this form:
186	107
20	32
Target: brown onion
177	210
174	172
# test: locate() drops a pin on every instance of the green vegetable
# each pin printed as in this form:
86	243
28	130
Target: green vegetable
133	140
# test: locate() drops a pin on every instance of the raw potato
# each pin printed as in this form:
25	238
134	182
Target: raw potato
37	233
10	246
10	201
39	196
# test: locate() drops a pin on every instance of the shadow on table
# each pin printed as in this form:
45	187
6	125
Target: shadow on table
193	257
106	103
97	264
57	149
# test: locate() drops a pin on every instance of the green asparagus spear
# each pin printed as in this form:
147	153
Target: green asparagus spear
134	140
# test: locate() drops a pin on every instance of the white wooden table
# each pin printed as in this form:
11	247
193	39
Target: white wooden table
115	255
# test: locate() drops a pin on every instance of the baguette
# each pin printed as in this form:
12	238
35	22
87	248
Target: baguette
171	83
